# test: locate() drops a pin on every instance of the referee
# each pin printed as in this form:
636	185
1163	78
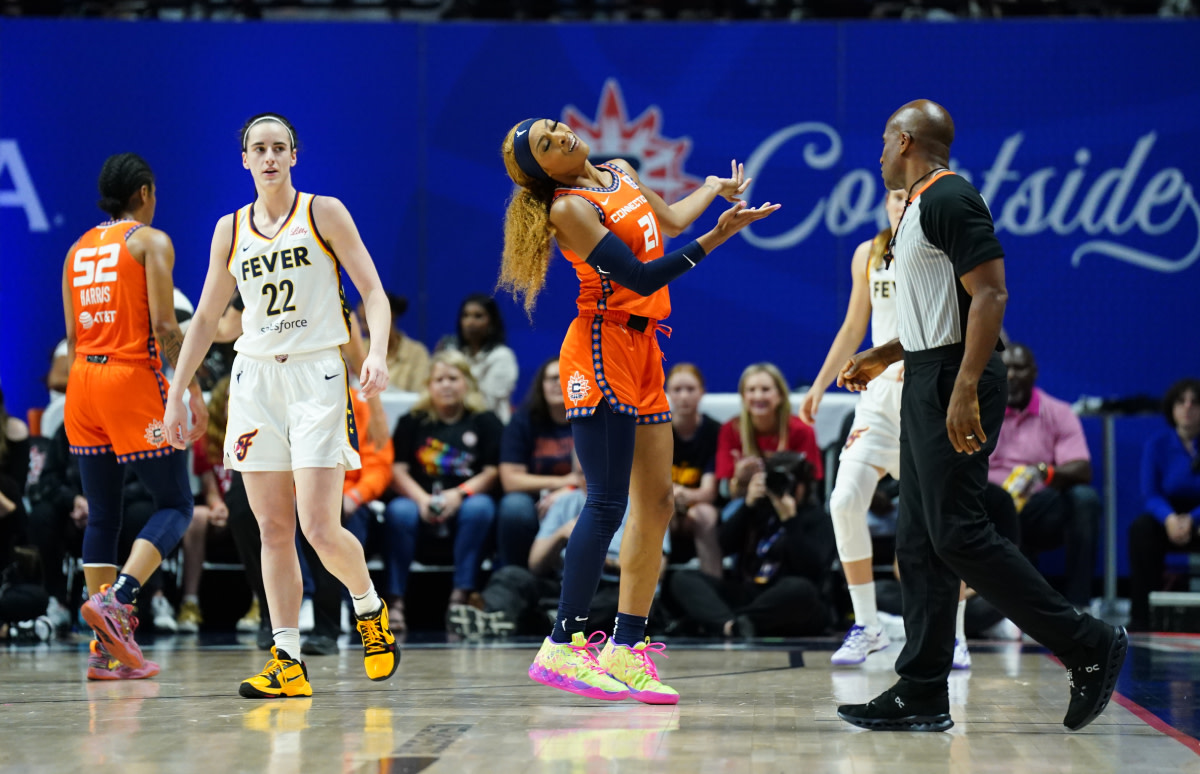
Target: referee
950	304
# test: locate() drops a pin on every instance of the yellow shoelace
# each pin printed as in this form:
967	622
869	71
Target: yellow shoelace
372	636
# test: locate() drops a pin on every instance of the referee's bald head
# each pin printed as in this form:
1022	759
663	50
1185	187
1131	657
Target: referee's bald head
927	123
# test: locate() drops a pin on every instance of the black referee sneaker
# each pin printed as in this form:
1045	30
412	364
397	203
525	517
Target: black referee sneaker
950	302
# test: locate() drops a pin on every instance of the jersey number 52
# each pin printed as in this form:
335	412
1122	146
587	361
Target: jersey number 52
88	270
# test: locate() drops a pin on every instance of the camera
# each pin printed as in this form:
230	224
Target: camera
785	469
780	480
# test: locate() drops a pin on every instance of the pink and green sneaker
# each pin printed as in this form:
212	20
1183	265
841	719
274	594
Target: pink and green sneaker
633	668
114	625
572	667
102	666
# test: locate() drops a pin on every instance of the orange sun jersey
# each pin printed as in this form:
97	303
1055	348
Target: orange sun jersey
624	210
108	291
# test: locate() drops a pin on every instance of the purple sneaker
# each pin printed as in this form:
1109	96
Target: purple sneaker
114	625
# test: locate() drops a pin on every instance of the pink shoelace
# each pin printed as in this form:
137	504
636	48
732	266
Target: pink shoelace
644	654
591	650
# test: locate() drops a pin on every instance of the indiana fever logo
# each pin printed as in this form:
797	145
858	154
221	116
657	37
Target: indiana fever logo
657	159
859	433
244	442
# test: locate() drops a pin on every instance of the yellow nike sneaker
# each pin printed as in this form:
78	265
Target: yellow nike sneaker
281	678
571	666
380	654
634	668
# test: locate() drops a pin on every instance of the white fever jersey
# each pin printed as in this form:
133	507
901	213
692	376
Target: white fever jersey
882	282
291	284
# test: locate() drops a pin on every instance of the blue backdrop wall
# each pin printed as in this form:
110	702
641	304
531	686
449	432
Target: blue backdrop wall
1086	158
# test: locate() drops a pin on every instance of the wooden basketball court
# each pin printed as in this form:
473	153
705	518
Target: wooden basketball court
758	707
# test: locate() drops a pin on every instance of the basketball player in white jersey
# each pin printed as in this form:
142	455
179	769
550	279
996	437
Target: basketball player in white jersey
291	429
873	447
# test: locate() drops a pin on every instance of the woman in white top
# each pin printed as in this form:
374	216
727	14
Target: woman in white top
291	431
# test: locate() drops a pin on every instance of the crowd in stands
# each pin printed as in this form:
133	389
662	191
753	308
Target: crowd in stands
485	486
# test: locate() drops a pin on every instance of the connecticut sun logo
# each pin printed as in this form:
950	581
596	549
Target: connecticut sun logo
657	159
156	432
578	388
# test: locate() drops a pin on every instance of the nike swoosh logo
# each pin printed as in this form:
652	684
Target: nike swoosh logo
581	618
327	378
689	260
239	377
604	201
523	131
244	249
602	271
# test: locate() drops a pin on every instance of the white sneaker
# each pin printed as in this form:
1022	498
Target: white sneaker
164	614
306	616
859	643
962	656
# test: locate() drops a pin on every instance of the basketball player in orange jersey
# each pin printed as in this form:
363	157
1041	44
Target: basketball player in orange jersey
610	227
291	428
118	299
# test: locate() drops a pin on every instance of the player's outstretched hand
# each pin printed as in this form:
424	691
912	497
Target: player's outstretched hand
741	215
374	377
730	188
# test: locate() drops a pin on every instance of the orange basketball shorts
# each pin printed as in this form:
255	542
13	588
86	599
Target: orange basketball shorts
116	406
605	359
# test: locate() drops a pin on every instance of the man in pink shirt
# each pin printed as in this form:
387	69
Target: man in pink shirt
1042	460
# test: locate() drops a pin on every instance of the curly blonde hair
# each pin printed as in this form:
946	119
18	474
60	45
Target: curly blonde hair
783	412
473	401
218	418
527	231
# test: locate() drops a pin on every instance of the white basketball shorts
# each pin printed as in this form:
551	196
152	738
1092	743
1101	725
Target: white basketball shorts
875	435
290	411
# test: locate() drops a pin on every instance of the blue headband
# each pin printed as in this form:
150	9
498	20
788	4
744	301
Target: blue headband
523	152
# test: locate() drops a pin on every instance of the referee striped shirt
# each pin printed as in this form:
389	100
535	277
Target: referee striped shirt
946	231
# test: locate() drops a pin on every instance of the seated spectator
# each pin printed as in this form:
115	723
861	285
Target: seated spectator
536	465
513	598
447	449
14	471
407	358
58	511
766	425
210	515
1042	460
784	544
694	525
1171	488
480	338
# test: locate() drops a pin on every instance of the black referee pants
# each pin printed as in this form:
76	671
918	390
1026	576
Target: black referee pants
943	533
